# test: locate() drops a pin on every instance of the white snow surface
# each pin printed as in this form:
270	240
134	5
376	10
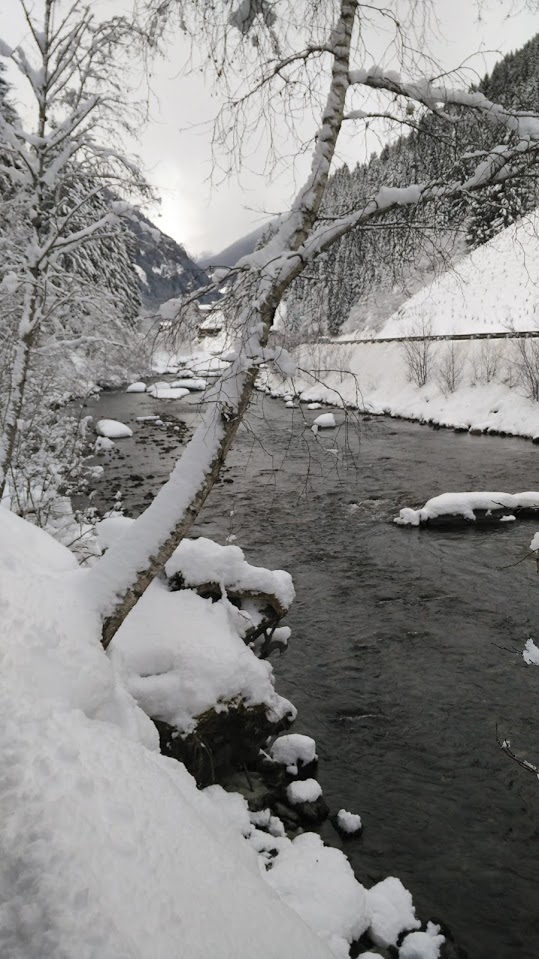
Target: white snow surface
392	911
349	822
166	393
422	945
292	749
303	790
138	387
375	379
182	655
189	383
108	848
203	561
465	504
103	444
531	653
325	421
113	429
535	542
319	884
493	289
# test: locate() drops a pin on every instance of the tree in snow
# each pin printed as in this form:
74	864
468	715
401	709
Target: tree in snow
281	52
64	270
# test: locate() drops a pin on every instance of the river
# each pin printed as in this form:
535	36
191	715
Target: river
406	648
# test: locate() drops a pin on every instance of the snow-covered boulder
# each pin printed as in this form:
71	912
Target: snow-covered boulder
167	393
319	884
138	387
103	444
324	422
303	790
422	945
294	751
467	506
391	912
202	561
113	429
190	383
348	823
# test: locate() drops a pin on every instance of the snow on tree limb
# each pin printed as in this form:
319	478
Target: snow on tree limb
120	578
436	96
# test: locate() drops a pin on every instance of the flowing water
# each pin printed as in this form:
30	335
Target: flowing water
405	658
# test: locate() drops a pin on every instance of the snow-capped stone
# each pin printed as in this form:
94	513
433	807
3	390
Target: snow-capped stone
292	749
319	884
392	911
348	822
422	945
158	393
303	791
465	505
189	383
138	387
314	406
103	444
325	421
531	653
113	429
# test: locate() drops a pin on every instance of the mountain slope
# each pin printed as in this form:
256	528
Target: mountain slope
494	288
232	253
164	268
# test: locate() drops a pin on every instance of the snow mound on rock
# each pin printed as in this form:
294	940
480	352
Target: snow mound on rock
303	790
349	822
113	429
465	504
292	749
166	392
138	387
183	655
203	561
324	421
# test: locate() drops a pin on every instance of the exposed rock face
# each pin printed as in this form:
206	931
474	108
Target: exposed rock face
223	742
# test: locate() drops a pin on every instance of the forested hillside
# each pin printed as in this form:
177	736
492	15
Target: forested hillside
164	269
362	279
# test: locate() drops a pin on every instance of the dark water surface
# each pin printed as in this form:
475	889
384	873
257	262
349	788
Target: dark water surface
406	646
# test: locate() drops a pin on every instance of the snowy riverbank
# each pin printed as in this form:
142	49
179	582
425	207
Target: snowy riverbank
374	378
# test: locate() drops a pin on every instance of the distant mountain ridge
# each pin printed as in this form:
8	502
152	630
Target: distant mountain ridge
164	268
232	253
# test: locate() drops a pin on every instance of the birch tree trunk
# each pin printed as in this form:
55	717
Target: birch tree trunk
121	577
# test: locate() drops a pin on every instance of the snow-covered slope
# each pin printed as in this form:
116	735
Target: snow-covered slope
232	253
493	289
107	849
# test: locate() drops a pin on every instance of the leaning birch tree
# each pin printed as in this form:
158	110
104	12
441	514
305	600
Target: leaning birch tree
276	52
57	172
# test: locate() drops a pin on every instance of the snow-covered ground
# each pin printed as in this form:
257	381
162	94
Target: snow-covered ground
493	289
374	377
107	848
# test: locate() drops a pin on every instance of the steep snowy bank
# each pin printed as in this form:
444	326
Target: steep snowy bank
374	377
108	848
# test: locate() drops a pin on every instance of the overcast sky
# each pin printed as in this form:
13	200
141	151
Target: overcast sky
176	144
